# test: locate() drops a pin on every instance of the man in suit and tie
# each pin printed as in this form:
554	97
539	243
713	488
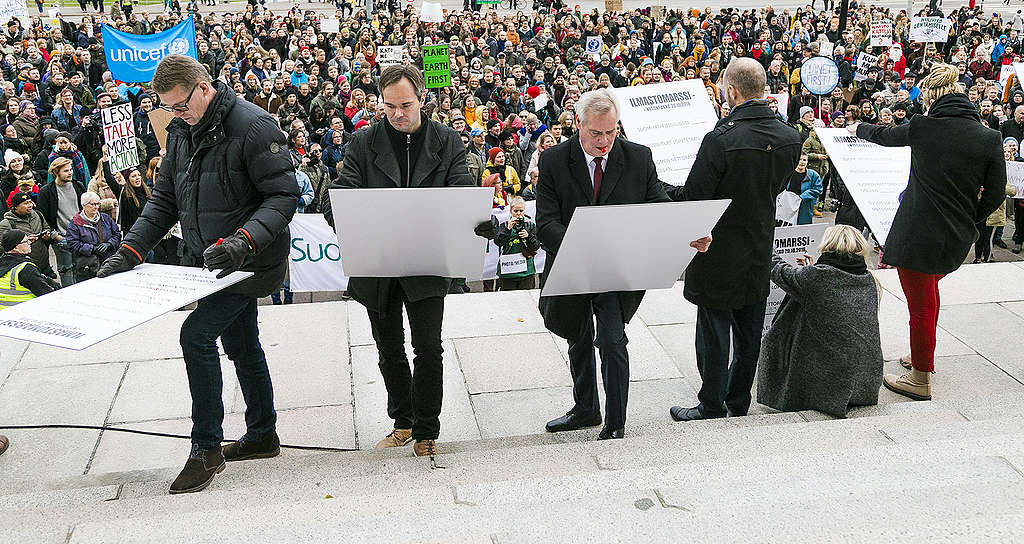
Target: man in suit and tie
593	168
406	150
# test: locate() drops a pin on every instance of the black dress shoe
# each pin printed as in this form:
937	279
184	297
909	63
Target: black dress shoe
1000	243
679	413
608	434
572	422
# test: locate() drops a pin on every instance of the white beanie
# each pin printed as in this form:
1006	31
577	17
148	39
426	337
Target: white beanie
88	197
10	155
805	109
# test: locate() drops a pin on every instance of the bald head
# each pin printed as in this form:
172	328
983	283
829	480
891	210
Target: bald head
744	80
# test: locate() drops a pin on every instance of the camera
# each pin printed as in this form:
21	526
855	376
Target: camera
519	224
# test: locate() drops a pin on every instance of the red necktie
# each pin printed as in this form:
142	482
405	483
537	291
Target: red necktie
598	174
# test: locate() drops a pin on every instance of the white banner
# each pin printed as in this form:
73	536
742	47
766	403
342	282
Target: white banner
787	208
84	314
874	175
790	244
1015	177
15	8
929	29
881	33
119	134
864	61
315	257
783	99
389	55
671	119
329	25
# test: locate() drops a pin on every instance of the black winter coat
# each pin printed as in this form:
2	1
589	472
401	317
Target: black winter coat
230	172
563	185
748	158
370	163
952	158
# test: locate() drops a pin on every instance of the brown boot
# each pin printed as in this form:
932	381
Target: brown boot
914	384
425	448
397	439
3	444
201	467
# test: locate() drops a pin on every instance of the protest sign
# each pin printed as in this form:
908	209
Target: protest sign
89	312
436	66
875	176
881	33
1015	177
133	57
783	100
16	9
594	46
423	231
864	62
315	256
825	47
53	19
640	261
119	135
1004	74
929	29
791	243
670	118
389	55
431	12
329	25
159	119
820	75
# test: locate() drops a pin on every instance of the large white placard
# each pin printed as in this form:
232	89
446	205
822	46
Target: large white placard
389	55
424	231
87	313
611	248
881	33
119	134
790	244
14	8
671	119
315	257
1015	177
929	29
330	25
874	175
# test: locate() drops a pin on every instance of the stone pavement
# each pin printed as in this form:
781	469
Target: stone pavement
505	375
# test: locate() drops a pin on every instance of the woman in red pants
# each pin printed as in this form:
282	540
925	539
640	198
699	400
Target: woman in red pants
953	158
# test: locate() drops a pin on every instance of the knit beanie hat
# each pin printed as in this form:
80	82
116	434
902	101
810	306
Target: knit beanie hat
805	109
17	199
493	152
11	239
10	155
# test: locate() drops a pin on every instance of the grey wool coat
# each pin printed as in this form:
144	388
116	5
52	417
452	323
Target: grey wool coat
823	351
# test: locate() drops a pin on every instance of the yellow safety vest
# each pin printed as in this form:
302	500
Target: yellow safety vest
12	292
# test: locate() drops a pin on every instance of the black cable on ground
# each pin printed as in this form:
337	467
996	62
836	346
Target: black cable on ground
153	433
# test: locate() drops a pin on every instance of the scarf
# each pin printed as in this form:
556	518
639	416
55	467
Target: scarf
851	263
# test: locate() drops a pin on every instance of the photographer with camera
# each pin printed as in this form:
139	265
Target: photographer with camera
517	244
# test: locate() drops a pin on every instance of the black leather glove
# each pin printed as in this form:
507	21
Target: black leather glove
229	255
121	261
487	229
101	250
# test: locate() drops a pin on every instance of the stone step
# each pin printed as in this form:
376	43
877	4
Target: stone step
757	499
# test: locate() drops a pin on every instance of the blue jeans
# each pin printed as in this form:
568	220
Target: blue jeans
232	318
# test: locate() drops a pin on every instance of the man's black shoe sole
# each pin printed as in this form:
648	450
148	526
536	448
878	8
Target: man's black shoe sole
251	456
201	486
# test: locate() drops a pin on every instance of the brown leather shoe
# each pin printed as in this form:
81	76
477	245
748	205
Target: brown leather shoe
201	467
397	439
914	384
3	444
425	448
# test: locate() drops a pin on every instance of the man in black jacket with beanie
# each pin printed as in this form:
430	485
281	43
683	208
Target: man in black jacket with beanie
228	179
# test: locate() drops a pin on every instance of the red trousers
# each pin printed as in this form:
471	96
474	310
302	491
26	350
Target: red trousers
922	292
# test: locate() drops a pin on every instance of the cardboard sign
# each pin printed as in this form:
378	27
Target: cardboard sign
791	243
389	55
158	120
1015	177
594	45
119	134
330	25
881	33
864	62
436	66
929	29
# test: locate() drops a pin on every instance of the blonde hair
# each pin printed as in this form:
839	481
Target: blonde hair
844	239
942	80
516	201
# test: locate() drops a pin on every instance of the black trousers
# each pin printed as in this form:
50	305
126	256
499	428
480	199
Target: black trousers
414	397
611	341
724	386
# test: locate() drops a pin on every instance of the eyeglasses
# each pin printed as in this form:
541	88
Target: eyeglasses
182	106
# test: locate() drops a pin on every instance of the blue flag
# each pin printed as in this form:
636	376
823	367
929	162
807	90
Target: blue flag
133	57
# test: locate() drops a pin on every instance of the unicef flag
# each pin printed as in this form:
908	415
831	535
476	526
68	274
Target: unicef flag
133	57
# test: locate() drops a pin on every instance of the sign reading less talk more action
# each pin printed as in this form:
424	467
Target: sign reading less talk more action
119	135
436	66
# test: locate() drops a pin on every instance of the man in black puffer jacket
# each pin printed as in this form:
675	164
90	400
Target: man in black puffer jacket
228	179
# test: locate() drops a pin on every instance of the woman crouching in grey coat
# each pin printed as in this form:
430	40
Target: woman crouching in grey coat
823	351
